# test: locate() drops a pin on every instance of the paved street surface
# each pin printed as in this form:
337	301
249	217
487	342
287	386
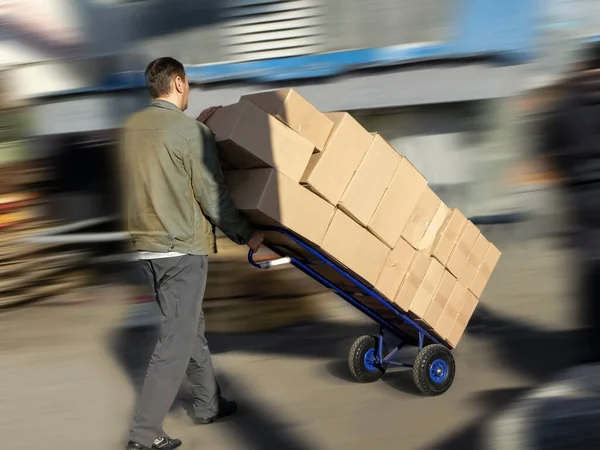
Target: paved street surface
61	387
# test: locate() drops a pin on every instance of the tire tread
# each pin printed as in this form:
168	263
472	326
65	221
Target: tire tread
421	369
356	362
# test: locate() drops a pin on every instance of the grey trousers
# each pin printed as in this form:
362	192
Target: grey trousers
179	284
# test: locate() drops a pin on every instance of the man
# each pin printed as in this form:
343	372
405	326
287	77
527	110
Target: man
175	195
571	140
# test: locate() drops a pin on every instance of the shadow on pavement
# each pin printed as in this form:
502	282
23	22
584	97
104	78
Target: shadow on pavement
256	426
259	427
534	352
471	437
402	380
339	369
328	340
132	349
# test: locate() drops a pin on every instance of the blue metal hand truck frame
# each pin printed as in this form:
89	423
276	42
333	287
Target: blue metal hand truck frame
368	359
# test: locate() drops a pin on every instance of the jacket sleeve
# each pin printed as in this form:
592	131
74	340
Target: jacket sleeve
210	189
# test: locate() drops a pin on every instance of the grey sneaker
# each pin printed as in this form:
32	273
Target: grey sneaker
165	443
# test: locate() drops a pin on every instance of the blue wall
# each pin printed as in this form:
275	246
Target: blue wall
479	28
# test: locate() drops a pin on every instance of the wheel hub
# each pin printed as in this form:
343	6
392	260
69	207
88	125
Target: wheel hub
370	360
438	371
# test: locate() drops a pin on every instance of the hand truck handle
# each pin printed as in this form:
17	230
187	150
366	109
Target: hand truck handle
267	262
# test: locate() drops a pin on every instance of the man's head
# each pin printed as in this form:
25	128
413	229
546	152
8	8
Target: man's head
167	81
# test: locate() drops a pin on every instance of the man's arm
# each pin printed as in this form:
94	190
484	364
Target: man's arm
210	189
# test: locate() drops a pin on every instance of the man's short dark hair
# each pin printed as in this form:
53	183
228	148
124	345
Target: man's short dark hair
160	73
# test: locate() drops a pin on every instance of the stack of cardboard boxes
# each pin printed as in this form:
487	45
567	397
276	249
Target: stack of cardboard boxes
348	191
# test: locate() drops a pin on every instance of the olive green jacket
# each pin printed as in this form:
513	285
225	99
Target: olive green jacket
174	189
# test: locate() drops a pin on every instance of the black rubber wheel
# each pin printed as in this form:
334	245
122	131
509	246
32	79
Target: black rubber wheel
361	359
434	370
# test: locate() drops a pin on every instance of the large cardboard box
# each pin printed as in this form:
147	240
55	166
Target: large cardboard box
462	319
440	299
370	181
355	247
395	269
436	224
270	198
425	292
474	261
398	203
296	112
484	273
444	325
448	236
421	221
329	172
249	138
412	280
462	249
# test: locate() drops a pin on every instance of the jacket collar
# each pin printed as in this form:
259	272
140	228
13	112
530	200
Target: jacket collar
165	104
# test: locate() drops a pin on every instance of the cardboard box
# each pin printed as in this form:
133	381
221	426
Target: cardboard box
270	198
462	249
462	319
444	325
398	203
421	219
484	273
474	261
434	227
355	247
249	138
424	295
395	269
296	112
448	236
329	172
412	280
440	300
370	181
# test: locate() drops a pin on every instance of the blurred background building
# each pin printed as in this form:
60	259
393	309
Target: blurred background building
438	79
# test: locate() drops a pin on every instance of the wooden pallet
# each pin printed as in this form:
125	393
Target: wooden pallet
51	291
250	314
31	275
241	299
